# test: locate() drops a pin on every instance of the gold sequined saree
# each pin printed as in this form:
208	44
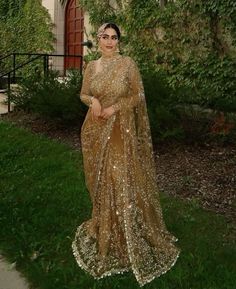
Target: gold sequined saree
126	231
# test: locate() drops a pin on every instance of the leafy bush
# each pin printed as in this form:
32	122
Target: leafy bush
175	115
161	102
51	96
25	26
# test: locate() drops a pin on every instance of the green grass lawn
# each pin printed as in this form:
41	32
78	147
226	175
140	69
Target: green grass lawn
43	199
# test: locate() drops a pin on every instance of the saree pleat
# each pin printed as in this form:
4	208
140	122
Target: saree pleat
126	231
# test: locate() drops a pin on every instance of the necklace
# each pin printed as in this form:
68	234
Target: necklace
108	60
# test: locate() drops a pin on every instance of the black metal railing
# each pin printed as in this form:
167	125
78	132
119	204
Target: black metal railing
13	68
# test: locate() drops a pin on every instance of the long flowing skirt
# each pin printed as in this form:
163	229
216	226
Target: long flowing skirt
126	231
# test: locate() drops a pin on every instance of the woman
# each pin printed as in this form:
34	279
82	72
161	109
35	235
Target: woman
126	231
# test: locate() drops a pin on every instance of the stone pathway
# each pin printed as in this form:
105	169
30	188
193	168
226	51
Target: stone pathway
10	278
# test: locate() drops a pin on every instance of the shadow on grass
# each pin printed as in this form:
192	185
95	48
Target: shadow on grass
44	199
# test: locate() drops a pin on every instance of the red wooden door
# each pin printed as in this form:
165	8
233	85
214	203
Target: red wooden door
74	29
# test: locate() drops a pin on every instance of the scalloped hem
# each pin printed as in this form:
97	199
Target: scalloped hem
140	281
151	278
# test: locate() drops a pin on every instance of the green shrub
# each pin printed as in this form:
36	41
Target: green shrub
176	115
25	26
51	96
161	102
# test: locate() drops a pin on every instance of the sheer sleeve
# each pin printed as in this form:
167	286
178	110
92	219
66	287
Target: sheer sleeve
85	94
136	91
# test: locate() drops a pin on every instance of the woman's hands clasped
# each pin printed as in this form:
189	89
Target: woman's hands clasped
107	112
98	112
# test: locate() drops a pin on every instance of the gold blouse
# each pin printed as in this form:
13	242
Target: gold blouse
126	231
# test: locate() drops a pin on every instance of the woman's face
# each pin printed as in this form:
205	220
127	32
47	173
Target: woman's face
108	41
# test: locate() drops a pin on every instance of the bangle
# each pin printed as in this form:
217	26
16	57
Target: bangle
91	101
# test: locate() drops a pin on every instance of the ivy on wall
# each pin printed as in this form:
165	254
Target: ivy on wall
192	41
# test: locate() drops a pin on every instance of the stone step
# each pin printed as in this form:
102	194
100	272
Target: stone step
3	104
3	99
10	278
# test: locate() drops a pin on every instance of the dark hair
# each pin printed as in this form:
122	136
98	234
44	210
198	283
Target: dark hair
115	27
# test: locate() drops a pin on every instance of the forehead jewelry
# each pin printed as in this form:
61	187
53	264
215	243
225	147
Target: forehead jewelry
101	30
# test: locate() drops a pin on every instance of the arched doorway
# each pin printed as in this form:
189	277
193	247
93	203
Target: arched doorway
74	30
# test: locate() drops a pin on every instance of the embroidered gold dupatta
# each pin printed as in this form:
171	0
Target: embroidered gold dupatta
126	231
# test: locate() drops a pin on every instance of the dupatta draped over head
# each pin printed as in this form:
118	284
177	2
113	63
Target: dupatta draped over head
126	231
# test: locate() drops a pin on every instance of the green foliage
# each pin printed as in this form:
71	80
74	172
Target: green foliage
162	108
50	96
25	26
10	7
99	11
211	80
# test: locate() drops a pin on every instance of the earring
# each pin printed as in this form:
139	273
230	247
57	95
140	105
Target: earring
99	49
117	48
